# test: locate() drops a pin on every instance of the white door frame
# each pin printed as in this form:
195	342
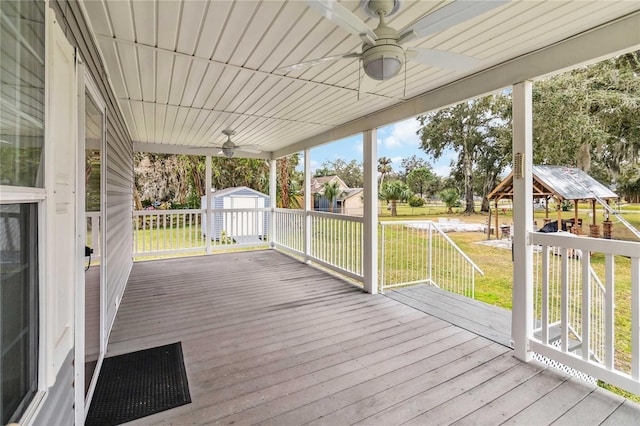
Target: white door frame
82	402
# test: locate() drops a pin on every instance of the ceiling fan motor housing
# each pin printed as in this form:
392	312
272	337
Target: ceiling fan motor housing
228	148
385	59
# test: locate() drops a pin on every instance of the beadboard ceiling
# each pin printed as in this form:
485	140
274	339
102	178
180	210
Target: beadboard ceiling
183	71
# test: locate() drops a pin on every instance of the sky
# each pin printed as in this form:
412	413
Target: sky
396	141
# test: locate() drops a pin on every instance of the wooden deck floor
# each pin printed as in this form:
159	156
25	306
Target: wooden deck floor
269	340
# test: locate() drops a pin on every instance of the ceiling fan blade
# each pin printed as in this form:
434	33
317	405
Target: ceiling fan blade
447	16
252	149
367	85
318	61
343	17
442	59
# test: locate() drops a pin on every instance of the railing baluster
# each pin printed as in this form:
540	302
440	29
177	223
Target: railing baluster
564	300
545	294
609	310
586	305
635	318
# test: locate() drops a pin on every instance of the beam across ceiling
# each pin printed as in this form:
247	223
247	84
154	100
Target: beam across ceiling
159	148
616	37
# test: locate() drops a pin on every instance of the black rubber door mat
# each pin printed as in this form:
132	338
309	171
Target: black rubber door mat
138	384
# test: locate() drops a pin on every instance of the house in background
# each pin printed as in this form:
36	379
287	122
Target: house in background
320	202
349	200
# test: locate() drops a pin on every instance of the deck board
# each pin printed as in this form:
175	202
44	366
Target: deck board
270	340
486	320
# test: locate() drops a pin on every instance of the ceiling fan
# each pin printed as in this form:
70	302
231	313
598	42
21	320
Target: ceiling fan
229	148
383	54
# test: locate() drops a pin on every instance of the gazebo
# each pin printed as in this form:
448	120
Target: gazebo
561	184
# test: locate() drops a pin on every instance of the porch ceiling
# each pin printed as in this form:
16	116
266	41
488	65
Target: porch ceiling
185	71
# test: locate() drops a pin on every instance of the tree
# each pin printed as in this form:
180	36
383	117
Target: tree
393	192
412	163
351	173
629	183
322	171
467	129
384	168
331	191
230	172
451	198
287	182
588	117
422	181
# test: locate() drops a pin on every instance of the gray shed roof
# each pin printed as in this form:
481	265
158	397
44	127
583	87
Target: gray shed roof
233	189
567	183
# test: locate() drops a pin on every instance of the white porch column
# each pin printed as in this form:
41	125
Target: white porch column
370	226
273	190
209	220
522	312
308	199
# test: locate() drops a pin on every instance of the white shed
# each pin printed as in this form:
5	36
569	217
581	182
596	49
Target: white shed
240	221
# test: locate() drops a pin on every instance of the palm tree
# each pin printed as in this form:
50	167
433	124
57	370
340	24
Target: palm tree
451	198
331	192
393	192
384	168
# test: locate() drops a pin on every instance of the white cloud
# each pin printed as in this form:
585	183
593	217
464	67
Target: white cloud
443	166
358	147
403	134
442	171
396	162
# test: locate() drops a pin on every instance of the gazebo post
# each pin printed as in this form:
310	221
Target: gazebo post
489	224
594	231
559	210
546	207
575	217
497	220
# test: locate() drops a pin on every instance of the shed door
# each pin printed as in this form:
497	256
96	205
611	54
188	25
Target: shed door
237	224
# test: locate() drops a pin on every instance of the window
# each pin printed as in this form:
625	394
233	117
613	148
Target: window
22	80
22	77
18	307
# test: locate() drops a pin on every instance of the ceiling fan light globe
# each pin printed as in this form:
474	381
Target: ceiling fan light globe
228	148
383	68
383	62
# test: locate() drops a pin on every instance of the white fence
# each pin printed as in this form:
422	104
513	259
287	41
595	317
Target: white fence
582	321
288	232
162	232
335	240
551	263
414	252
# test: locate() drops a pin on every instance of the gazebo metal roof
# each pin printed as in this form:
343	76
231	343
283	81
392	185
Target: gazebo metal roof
564	183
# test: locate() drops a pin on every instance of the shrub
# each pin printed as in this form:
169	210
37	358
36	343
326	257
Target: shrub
416	201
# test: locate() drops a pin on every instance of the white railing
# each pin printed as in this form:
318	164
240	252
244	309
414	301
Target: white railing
583	323
232	228
93	233
336	242
335	239
552	257
415	252
288	232
162	232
